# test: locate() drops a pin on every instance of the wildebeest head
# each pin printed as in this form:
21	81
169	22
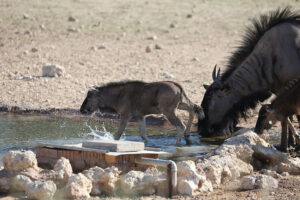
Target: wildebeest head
213	104
91	102
266	118
95	100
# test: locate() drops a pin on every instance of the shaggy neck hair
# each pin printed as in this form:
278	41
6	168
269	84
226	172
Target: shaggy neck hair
252	36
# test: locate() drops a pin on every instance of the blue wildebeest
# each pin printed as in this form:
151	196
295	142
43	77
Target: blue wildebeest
286	104
135	99
267	59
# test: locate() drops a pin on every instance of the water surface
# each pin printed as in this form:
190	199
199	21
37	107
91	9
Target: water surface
26	131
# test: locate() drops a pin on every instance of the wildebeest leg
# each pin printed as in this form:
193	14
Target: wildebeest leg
178	124
190	109
284	141
298	118
142	128
294	132
122	126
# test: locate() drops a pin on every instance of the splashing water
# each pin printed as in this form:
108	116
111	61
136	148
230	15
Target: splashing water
102	134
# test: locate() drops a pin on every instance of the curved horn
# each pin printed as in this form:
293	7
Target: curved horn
219	74
214	76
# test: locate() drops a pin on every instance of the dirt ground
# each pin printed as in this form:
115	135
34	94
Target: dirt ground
103	41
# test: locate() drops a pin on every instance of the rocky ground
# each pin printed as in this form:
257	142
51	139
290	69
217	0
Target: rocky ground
99	42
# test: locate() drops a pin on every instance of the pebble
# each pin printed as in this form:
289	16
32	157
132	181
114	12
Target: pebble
26	16
189	15
42	26
167	75
157	46
101	47
195	59
26	52
34	50
93	48
154	37
285	174
74	30
272	193
148	49
96	24
72	19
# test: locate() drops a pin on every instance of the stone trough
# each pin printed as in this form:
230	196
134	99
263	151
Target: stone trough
125	155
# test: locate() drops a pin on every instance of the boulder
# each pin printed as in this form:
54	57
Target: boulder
137	182
221	168
20	183
41	190
189	181
104	180
63	171
50	70
258	181
274	174
291	165
78	187
19	160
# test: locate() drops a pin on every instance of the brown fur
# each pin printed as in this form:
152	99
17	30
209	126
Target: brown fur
285	105
135	99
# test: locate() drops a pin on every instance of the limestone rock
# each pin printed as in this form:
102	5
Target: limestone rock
291	165
246	136
270	173
189	181
19	160
63	171
50	70
258	181
41	190
137	182
104	180
20	183
78	187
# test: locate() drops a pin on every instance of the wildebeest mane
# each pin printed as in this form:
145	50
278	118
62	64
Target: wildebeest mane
253	34
117	84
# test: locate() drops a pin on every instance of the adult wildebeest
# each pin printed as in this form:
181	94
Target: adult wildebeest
135	99
286	104
264	63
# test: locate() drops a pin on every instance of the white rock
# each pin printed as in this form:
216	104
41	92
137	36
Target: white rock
20	183
78	187
137	182
19	160
63	171
167	75
292	166
41	190
258	181
104	181
50	70
189	181
270	173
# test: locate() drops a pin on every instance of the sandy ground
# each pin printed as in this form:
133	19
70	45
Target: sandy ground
107	42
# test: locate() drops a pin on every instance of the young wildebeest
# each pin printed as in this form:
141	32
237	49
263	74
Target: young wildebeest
282	107
135	99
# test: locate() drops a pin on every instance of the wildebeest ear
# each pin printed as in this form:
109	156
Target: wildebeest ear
205	86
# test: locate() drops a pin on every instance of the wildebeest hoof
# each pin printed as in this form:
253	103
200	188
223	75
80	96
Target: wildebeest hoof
188	142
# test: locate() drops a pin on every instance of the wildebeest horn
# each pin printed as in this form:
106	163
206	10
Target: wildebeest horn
214	76
219	74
